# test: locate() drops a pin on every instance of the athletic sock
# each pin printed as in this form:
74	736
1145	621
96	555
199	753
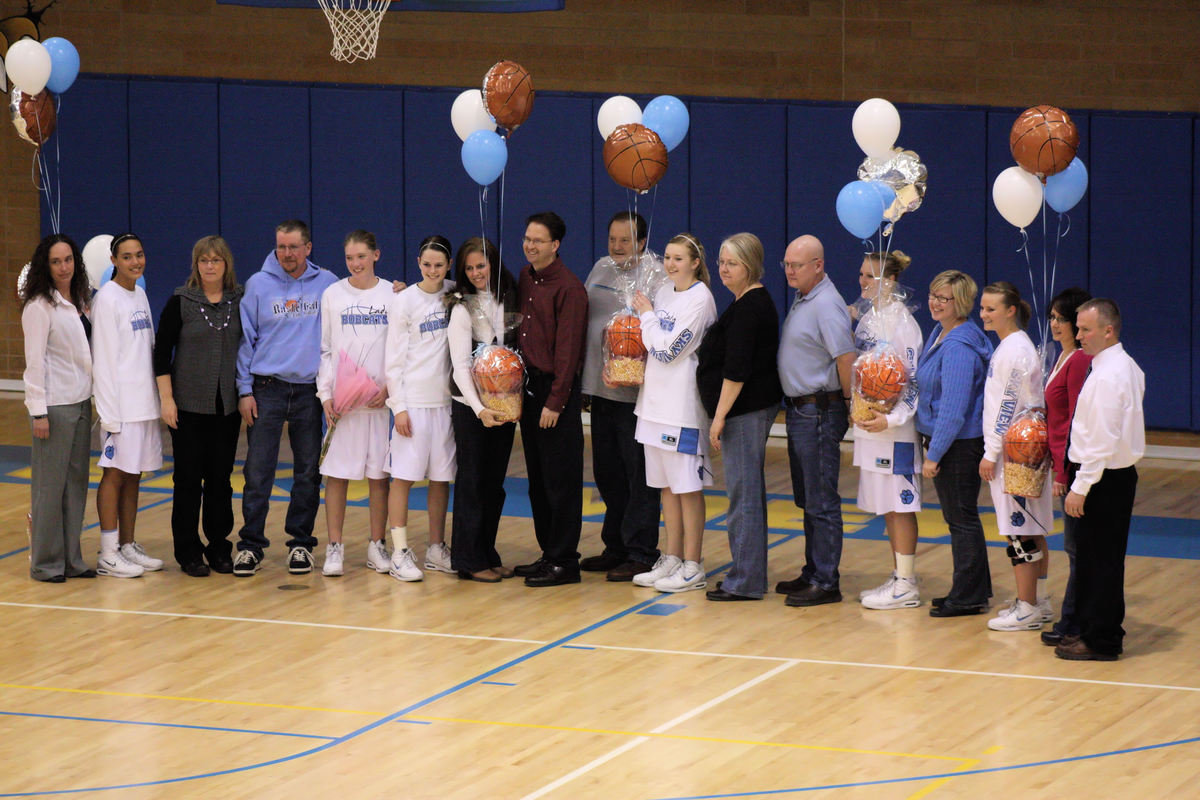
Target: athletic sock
906	566
400	538
109	541
1042	591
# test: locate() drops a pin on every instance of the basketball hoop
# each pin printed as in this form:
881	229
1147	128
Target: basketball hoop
355	26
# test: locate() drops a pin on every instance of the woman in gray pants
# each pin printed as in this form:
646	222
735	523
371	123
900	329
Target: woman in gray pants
58	390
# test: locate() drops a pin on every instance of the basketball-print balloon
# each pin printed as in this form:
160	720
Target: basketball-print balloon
635	157
508	94
498	369
881	377
1027	441
1043	140
625	336
33	116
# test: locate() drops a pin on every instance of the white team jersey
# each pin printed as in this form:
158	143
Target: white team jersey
354	321
123	357
672	333
897	449
418	351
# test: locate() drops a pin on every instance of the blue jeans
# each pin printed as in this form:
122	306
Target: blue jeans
297	405
957	484
744	453
815	457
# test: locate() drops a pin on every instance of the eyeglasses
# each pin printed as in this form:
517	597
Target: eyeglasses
210	260
536	242
939	299
290	248
1056	317
728	263
787	265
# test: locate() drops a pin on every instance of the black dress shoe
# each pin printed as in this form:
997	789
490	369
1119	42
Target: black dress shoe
221	564
601	563
197	569
53	579
87	573
718	594
813	595
529	570
937	602
953	610
625	571
553	575
792	586
1052	638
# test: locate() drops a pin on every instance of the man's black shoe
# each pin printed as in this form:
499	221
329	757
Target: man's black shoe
553	575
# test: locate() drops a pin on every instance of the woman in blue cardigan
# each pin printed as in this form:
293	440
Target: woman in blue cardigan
951	376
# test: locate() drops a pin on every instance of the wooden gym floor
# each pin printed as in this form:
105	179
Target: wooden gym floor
363	687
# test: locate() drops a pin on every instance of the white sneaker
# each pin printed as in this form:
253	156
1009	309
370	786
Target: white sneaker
1047	608
896	593
378	557
404	566
887	585
135	554
115	565
335	556
437	558
689	576
665	566
1020	616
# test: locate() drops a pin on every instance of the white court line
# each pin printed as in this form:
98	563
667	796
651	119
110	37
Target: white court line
623	648
666	726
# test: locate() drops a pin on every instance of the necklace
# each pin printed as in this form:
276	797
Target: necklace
228	315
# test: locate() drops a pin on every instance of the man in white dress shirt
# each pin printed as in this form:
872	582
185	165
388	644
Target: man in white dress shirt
1108	437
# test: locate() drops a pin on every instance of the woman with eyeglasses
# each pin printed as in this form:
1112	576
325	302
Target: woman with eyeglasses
195	361
951	375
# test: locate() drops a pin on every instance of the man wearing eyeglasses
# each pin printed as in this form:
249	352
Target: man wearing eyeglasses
551	336
816	354
276	380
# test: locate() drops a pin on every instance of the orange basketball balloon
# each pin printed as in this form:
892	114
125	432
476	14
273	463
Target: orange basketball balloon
1043	140
625	337
635	157
1027	441
881	377
508	94
498	370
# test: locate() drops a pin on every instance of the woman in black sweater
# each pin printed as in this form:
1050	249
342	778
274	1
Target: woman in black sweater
739	386
195	358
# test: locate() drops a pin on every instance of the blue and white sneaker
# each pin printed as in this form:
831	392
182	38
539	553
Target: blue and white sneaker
1020	616
896	593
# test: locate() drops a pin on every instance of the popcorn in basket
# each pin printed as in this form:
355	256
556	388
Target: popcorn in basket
880	377
624	352
499	376
1027	454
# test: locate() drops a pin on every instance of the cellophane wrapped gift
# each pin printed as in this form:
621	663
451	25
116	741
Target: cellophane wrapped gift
499	376
1027	454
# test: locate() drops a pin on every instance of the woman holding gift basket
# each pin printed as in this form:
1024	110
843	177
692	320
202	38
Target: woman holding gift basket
1014	425
486	381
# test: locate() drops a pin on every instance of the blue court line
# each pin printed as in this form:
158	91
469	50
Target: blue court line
162	725
88	527
498	683
940	775
414	721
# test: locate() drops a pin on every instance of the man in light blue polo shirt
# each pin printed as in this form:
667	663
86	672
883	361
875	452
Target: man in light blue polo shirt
816	355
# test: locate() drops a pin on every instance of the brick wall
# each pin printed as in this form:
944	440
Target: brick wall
1100	54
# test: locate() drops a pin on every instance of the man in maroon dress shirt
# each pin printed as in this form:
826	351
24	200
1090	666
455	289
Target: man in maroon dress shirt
551	336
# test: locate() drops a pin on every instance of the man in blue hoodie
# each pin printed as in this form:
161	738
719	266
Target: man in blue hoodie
276	379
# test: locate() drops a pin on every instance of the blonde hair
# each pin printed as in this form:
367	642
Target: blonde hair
962	287
696	251
893	263
219	248
748	249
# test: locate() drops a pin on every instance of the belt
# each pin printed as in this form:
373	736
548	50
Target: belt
820	399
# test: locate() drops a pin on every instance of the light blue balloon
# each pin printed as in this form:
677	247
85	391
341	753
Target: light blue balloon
64	64
484	155
860	206
668	117
1065	189
108	273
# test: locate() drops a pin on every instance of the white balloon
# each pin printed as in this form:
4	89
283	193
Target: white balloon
28	66
617	110
97	257
468	114
1018	196
876	125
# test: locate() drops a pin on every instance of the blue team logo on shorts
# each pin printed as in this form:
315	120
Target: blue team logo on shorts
1017	519
109	450
906	496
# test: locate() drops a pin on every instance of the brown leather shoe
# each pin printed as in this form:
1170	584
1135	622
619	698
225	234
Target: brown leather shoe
1074	649
626	570
601	563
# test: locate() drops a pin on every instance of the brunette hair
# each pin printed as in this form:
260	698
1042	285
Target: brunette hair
39	282
1011	297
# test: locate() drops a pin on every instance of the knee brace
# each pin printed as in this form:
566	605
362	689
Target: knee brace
1024	550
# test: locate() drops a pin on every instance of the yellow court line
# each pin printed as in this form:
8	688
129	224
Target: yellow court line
188	699
967	765
714	739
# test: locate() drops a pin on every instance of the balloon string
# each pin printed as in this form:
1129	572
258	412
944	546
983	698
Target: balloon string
500	220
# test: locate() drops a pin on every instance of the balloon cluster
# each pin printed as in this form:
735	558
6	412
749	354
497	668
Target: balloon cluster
891	181
1043	141
38	71
636	142
506	101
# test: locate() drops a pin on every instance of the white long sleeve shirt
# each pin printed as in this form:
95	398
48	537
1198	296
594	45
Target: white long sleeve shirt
1014	382
123	357
478	318
672	333
354	320
1109	429
904	337
58	360
418	350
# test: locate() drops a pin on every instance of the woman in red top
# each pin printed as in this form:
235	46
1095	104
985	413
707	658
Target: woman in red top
1062	390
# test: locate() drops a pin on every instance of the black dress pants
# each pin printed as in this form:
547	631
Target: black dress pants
482	458
204	447
1101	538
554	463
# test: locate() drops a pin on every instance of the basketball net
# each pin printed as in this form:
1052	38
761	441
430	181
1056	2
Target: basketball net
355	25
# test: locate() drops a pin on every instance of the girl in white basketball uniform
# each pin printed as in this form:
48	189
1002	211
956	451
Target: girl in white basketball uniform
887	449
354	321
418	376
127	403
1014	380
672	425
